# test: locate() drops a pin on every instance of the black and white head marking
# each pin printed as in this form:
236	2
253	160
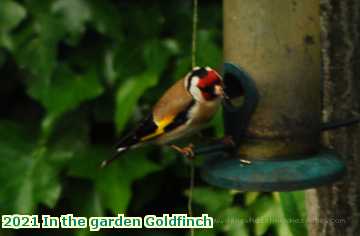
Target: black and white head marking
192	80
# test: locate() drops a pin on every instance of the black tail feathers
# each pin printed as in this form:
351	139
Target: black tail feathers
124	145
146	127
105	163
127	142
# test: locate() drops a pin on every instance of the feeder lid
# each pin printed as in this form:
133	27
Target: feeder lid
295	173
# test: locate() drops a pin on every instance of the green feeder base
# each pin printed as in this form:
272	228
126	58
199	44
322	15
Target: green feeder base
273	175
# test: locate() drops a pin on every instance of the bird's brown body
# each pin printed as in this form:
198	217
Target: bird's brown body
176	99
184	108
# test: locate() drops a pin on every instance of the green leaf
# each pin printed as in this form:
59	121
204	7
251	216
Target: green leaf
39	57
183	66
11	14
65	92
250	197
293	207
110	72
29	172
208	53
24	186
233	221
106	18
87	162
281	226
113	182
89	206
156	56
127	97
73	14
36	44
264	210
213	200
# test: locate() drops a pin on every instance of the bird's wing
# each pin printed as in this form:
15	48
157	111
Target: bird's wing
169	113
175	100
171	110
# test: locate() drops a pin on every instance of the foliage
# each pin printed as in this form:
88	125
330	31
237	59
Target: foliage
75	75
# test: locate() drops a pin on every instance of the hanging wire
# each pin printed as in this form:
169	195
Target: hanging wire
193	63
194	32
190	196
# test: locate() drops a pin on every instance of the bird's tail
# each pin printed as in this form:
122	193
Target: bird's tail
118	153
125	144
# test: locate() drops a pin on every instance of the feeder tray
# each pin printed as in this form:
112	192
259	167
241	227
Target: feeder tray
223	168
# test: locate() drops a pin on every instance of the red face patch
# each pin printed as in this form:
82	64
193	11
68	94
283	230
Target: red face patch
210	79
207	84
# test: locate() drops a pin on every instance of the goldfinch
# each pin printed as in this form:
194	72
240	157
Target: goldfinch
184	108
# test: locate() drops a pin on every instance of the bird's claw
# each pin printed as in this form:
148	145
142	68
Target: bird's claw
187	151
228	140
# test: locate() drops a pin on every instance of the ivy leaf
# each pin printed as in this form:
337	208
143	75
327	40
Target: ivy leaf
73	14
156	56
106	18
293	211
36	45
183	66
128	95
114	185
250	197
113	182
264	210
208	53
20	161
212	199
29	171
109	69
62	93
11	14
233	221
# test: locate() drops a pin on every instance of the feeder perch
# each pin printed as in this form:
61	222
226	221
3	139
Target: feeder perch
278	126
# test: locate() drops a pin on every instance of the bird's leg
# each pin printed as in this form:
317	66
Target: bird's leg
187	151
228	140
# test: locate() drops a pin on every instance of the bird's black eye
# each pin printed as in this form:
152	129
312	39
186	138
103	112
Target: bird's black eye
208	89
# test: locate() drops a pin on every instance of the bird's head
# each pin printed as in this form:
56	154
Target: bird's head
204	84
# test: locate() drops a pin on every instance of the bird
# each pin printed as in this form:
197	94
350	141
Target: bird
185	108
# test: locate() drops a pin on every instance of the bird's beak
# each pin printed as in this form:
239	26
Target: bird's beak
219	91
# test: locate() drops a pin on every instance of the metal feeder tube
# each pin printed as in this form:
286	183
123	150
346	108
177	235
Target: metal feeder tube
277	45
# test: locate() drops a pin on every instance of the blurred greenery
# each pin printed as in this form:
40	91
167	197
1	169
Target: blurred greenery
75	76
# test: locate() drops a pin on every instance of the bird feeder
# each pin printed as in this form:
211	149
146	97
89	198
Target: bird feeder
277	45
